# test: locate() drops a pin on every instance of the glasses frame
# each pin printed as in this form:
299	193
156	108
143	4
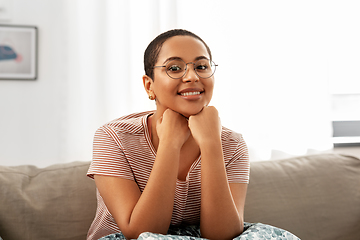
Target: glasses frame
186	68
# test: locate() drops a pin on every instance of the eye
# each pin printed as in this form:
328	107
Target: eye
202	66
174	68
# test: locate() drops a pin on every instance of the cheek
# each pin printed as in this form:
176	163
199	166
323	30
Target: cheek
210	86
165	88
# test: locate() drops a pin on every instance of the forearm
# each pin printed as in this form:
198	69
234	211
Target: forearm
154	208
220	218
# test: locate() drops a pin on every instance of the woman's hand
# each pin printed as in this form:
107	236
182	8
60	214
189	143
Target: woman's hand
173	128
205	126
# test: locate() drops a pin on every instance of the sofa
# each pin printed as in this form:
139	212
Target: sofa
316	197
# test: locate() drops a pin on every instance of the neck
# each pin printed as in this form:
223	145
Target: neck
152	130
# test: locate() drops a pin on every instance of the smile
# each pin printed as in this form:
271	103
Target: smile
189	93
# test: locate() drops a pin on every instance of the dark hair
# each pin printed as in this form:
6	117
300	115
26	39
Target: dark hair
152	51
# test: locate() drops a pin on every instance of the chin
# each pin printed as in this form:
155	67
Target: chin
187	114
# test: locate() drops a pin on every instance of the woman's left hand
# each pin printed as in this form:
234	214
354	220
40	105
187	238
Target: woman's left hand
205	126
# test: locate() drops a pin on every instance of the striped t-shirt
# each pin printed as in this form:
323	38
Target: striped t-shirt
123	148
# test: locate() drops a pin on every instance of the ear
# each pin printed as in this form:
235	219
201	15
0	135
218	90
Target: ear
148	82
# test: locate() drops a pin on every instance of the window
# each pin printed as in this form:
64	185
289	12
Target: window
346	119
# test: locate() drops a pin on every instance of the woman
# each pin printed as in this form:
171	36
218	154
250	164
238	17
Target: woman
175	170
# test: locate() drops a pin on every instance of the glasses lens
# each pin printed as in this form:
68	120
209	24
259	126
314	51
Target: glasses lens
205	68
176	68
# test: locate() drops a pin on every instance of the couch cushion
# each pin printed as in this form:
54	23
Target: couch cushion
315	197
57	202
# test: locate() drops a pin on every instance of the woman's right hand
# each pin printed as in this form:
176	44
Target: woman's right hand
172	128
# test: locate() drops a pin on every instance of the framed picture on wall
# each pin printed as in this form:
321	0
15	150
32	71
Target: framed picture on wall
18	52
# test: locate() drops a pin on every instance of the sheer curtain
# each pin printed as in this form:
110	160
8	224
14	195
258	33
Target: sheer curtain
271	83
106	43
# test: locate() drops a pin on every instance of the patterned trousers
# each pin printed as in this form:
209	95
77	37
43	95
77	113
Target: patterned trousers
252	231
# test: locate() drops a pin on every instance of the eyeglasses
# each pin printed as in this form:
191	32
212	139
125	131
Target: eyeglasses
177	68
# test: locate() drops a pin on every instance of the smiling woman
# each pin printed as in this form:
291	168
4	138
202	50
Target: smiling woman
174	170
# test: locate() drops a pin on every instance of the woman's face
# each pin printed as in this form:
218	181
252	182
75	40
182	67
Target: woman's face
189	94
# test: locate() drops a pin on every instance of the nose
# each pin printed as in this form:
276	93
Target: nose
190	74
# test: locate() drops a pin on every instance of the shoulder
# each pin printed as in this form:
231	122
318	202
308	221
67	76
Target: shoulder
233	143
132	123
230	135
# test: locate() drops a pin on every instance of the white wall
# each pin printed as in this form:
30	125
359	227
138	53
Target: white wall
31	124
53	119
43	122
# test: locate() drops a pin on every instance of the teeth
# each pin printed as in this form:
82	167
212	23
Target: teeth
189	93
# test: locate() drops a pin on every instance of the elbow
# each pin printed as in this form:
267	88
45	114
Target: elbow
130	234
224	232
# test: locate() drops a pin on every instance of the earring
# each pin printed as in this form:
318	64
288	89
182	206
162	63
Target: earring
151	97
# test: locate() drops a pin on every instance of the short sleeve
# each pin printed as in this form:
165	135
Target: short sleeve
238	168
108	157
